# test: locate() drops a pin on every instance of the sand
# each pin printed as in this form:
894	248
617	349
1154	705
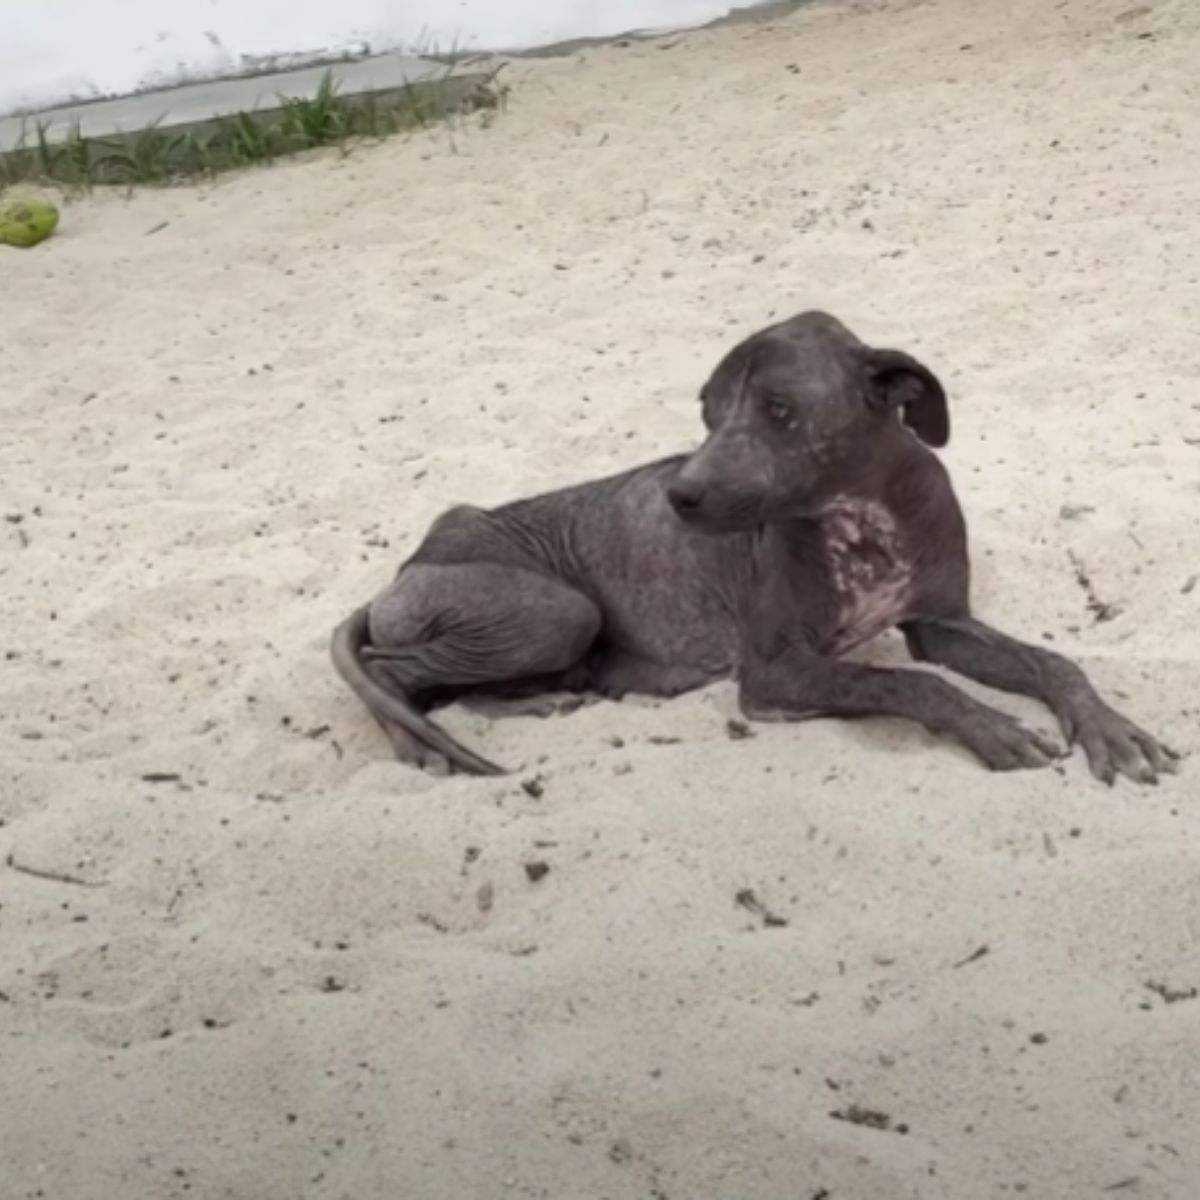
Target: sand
263	961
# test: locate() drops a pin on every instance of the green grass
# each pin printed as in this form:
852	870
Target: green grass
244	139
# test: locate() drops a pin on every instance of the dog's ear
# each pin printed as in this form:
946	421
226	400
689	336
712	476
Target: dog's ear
896	381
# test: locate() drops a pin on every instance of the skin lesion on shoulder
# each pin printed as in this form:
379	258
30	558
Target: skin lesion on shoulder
870	569
863	543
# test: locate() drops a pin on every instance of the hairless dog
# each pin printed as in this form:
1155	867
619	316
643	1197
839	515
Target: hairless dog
813	517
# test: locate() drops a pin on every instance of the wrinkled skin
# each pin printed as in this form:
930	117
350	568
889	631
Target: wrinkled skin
813	517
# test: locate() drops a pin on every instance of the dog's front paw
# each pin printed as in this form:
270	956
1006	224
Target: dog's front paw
1004	744
1116	746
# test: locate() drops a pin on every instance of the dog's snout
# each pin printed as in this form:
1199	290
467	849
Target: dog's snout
686	495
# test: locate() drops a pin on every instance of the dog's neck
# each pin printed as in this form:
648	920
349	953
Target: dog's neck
875	480
868	498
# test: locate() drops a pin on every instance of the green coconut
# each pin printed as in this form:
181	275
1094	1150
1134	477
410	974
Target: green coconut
27	221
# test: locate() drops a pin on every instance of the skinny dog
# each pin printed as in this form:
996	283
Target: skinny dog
814	516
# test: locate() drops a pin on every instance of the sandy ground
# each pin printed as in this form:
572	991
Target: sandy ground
277	965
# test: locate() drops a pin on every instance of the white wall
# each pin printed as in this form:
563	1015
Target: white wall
56	50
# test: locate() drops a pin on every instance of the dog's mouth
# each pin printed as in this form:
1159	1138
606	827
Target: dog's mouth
736	515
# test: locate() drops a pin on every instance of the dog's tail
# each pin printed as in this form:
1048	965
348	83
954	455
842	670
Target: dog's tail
346	648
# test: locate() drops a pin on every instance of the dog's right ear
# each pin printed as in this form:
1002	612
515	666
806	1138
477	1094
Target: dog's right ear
896	381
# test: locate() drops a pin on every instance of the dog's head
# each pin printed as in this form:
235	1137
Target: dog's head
796	414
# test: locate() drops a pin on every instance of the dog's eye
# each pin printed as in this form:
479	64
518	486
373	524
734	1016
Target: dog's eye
778	411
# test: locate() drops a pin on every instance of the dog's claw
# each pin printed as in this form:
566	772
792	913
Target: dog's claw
1114	746
1004	744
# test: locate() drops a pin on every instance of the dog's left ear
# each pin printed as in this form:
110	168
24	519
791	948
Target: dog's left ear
896	381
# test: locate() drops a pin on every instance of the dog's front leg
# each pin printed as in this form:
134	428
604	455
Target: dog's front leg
1113	744
797	685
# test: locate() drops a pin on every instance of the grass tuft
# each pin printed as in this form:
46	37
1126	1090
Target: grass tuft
244	139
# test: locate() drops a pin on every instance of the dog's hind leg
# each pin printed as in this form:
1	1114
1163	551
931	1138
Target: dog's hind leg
467	626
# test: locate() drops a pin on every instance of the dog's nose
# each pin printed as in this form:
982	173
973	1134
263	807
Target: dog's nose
686	495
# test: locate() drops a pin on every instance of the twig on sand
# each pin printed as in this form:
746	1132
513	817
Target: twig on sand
50	876
1172	995
1101	610
871	1118
748	900
974	956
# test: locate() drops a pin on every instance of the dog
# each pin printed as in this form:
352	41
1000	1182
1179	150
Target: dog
814	516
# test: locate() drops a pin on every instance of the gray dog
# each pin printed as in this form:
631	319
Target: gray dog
810	520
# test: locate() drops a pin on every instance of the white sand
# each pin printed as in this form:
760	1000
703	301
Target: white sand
1009	190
